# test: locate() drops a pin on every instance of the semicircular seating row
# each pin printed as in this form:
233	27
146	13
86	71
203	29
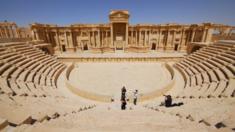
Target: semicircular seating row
209	72
26	70
28	86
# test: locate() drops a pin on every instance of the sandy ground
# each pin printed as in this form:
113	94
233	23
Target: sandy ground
109	78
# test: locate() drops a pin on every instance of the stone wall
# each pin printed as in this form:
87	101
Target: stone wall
118	34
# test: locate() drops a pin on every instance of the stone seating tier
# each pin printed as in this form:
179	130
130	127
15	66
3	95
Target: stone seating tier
22	64
213	65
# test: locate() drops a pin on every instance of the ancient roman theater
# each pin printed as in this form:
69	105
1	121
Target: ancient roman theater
71	78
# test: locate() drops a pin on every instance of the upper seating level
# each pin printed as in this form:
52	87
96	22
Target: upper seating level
210	71
26	70
28	86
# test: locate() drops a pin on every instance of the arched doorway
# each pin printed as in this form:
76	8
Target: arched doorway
63	48
153	46
176	47
85	47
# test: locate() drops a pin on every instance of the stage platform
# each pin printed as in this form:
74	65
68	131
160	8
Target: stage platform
121	55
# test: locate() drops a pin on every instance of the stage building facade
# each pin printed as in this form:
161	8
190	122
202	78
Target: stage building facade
120	35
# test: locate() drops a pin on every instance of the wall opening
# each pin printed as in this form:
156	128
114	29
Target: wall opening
85	47
153	46
63	48
176	47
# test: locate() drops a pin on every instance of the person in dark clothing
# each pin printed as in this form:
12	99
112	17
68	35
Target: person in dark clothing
168	100
123	106
123	98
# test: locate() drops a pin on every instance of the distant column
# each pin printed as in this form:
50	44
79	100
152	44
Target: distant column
94	40
66	39
209	35
37	35
145	35
193	34
173	38
58	40
98	40
126	35
136	37
104	38
12	31
107	42
148	40
9	31
140	37
111	32
183	42
15	31
47	36
89	38
132	37
203	35
71	39
6	34
159	37
1	35
167	38
32	33
101	38
182	37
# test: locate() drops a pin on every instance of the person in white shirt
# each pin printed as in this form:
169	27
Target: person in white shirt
135	97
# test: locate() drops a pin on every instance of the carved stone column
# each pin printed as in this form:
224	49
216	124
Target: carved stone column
0	32
98	40
173	38
193	34
126	35
159	38
209	35
101	38
37	34
111	33
145	35
58	41
15	31
66	39
132	37
203	35
6	33
140	37
136	43
10	32
182	41
106	37
89	38
94	40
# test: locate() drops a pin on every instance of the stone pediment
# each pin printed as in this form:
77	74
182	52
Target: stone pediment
119	16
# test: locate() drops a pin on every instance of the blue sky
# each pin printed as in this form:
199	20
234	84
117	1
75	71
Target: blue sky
65	12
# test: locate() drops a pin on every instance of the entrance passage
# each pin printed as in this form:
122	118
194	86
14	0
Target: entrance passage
63	48
176	47
85	47
153	46
119	34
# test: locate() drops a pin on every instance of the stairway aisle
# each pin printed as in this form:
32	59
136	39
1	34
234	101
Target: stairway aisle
108	117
